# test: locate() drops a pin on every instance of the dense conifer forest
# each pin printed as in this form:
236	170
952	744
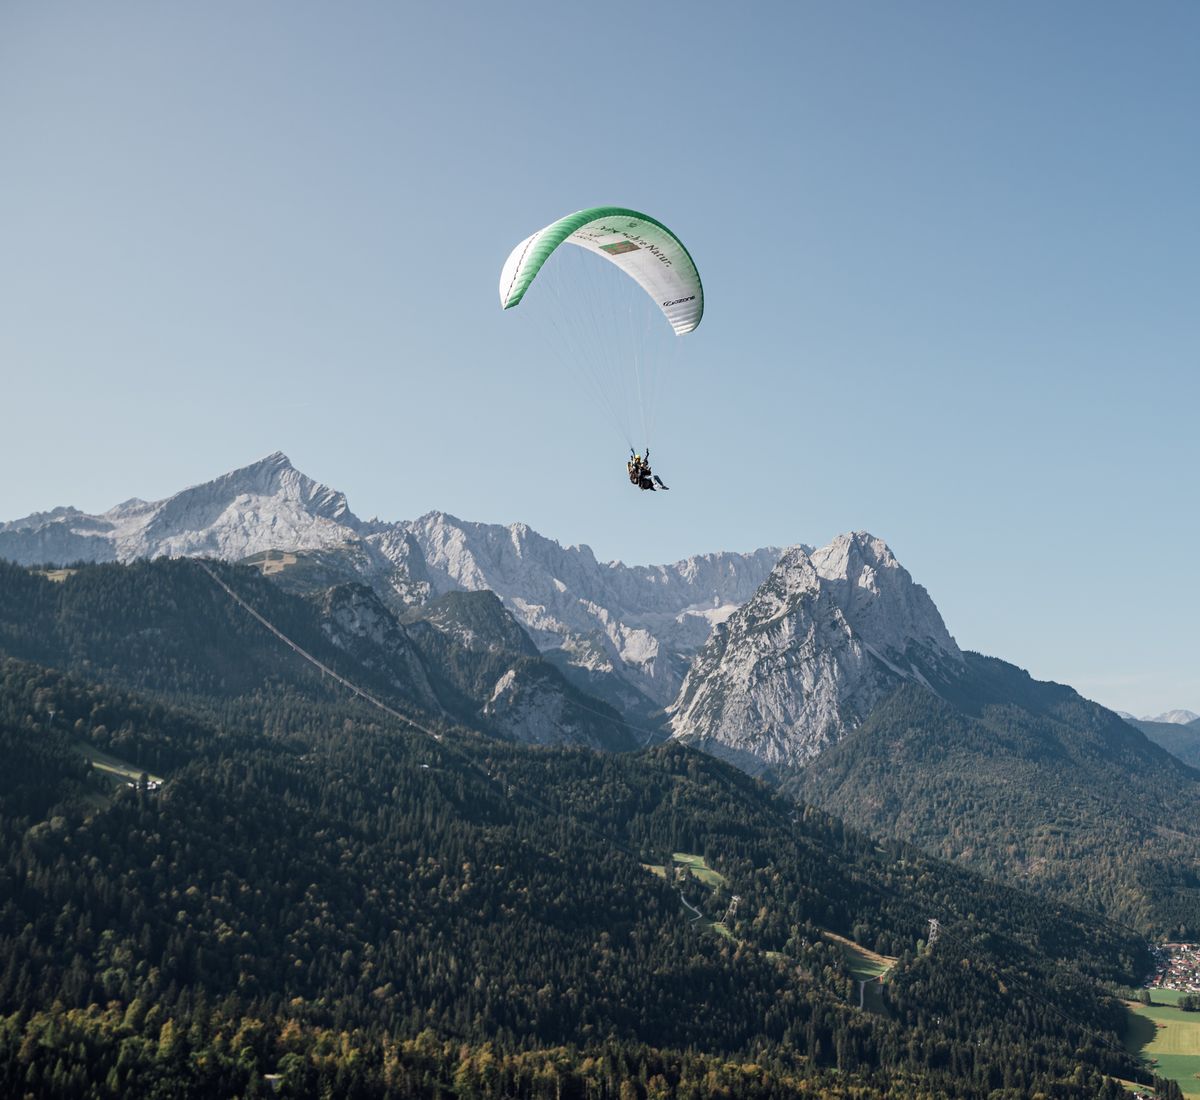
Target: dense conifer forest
1028	781
321	900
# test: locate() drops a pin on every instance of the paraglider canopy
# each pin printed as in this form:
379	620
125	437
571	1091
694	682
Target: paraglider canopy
640	246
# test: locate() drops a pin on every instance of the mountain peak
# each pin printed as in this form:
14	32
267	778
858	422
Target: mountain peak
827	636
276	460
268	500
627	632
852	552
879	597
1174	717
272	470
267	505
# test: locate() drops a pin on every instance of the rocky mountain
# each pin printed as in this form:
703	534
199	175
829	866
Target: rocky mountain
829	635
840	680
624	632
640	624
1174	717
1180	739
492	677
355	620
268	505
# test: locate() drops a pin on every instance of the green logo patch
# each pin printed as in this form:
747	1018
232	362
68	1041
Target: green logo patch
618	248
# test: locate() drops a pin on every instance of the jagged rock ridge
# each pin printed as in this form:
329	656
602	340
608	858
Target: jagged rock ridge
268	505
626	633
829	635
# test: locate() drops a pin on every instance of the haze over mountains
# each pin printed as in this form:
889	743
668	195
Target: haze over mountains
1168	717
1180	738
1174	717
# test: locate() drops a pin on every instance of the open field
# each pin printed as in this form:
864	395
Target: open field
271	561
721	930
57	575
1166	996
1168	1039
864	964
118	769
699	868
706	875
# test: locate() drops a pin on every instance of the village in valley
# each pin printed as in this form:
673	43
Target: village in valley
1177	966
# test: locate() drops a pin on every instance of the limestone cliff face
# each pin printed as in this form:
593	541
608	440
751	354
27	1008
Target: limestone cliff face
823	641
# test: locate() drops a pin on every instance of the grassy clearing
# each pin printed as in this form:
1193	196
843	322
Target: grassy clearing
863	964
699	869
1166	996
1168	1039
57	575
720	929
271	561
704	874
120	770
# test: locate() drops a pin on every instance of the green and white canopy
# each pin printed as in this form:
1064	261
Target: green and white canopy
643	248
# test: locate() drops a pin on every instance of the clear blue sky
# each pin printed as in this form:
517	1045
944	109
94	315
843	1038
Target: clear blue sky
950	252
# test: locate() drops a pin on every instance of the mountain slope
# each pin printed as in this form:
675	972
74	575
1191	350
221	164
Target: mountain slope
142	625
486	663
840	679
1180	739
166	626
301	900
624	632
1026	781
826	638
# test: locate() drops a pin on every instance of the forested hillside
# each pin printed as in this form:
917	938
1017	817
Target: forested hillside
166	626
319	891
1180	739
1028	781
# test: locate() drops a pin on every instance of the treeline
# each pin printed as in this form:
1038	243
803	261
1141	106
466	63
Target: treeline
98	1054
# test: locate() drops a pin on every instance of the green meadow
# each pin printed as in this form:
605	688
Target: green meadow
1168	1039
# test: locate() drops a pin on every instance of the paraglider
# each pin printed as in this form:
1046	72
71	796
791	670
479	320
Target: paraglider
640	473
590	315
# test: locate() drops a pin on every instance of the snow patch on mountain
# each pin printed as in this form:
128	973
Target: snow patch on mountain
1174	717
